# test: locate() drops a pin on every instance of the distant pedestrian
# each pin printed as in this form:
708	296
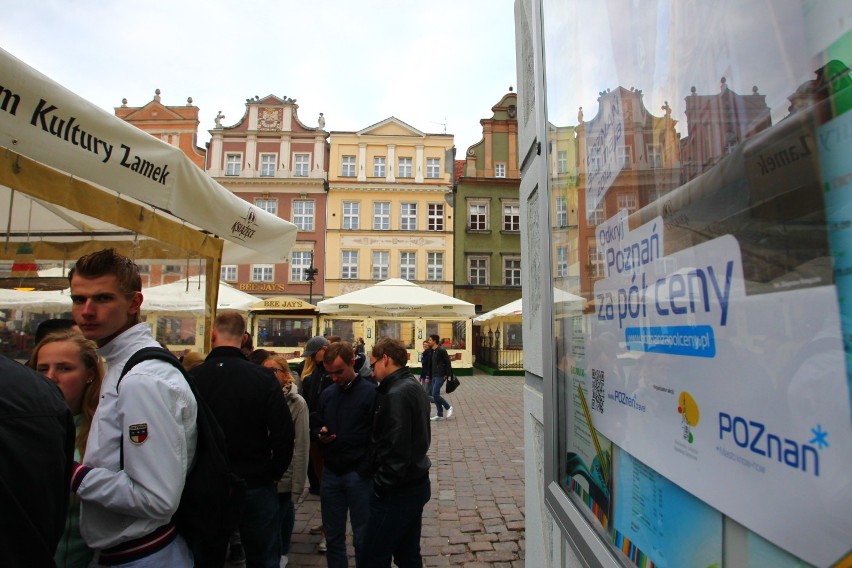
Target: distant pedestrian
440	371
399	465
426	369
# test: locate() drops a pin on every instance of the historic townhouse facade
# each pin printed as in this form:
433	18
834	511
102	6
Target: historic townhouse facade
487	230
273	160
388	209
178	126
627	159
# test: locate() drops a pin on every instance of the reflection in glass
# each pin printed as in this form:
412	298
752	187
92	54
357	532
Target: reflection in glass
698	158
284	331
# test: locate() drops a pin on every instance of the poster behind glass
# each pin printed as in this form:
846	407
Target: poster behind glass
700	159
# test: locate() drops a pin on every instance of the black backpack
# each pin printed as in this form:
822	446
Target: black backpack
213	496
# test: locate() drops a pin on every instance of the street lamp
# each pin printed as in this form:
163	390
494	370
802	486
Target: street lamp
497	338
310	273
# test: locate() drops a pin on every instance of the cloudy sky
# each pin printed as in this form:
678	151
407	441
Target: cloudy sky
430	64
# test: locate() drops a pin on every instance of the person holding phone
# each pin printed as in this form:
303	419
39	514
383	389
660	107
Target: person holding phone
342	427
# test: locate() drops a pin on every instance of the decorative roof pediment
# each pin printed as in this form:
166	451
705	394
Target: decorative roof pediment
153	111
271	100
391	127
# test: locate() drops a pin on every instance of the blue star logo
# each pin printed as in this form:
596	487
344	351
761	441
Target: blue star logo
820	436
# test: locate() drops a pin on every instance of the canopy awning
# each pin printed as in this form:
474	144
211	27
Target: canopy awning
187	296
73	173
511	309
397	297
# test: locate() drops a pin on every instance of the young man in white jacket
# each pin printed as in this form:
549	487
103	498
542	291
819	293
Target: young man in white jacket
128	496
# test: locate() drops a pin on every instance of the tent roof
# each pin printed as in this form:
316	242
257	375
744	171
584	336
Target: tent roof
187	295
397	297
74	178
507	310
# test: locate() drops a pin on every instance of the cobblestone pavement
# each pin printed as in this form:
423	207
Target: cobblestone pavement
476	515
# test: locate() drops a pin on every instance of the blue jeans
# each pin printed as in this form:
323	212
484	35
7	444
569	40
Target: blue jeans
440	403
394	528
259	527
339	493
287	516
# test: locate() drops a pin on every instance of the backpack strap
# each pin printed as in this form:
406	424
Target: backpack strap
147	354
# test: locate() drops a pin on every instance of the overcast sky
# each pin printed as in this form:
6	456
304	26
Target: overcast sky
426	63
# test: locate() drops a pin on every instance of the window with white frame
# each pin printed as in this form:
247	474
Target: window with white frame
262	272
655	156
348	169
299	261
622	155
408	265
500	170
381	262
627	201
561	261
404	169
233	164
511	216
379	166
349	265
301	165
268	205
267	165
562	161
596	216
351	215
596	261
477	217
477	270
381	216
561	212
512	271
433	167
435	221
228	273
408	217
303	214
594	160
435	266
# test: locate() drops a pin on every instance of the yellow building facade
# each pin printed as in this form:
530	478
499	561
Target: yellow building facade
388	213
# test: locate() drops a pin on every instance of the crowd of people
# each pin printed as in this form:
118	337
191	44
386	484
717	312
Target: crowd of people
99	455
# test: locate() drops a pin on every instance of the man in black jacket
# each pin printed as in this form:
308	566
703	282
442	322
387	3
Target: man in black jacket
36	454
441	370
252	411
345	415
400	467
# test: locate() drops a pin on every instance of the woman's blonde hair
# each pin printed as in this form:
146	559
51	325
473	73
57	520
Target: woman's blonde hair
92	390
309	366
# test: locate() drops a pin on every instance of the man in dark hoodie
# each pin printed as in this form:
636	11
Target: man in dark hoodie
344	420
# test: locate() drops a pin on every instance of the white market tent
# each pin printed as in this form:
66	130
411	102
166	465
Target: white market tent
512	309
187	296
75	179
397	297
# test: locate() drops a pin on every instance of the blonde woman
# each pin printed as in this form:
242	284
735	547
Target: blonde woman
292	484
70	360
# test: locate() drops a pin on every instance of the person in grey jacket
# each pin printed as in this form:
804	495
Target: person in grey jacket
292	484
